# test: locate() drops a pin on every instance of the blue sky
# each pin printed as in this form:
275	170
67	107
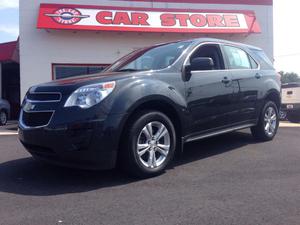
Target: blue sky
9	20
286	31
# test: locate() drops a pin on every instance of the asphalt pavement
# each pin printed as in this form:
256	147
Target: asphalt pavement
230	179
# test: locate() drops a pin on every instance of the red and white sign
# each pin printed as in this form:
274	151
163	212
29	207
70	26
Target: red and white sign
232	2
78	17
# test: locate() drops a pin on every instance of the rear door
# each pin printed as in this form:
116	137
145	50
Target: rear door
246	80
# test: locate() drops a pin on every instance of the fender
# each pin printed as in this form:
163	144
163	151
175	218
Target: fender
275	91
130	96
137	92
272	86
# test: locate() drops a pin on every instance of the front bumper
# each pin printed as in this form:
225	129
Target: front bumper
88	144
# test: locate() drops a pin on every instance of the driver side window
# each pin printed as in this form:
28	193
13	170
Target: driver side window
210	51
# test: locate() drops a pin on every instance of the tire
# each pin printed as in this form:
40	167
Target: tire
268	123
293	118
3	118
139	146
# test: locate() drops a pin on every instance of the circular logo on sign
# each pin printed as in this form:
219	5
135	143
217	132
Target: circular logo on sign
67	16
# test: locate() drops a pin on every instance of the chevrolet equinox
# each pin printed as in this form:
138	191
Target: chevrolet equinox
147	105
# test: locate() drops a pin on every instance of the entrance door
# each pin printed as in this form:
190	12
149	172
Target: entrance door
11	87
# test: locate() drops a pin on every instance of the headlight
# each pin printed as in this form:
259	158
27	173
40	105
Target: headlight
90	95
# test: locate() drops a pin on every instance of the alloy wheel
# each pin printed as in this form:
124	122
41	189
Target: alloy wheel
153	145
270	119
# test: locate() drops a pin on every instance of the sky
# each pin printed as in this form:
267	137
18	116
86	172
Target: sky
9	20
286	31
287	35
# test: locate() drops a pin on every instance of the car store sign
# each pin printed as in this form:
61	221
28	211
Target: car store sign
103	18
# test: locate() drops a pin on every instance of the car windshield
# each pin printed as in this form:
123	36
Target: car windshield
152	58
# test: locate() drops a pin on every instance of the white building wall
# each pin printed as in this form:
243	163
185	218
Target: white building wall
40	48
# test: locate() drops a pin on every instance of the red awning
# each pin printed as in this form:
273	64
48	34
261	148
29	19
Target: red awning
8	52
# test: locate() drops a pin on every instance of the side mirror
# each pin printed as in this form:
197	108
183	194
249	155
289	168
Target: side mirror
201	63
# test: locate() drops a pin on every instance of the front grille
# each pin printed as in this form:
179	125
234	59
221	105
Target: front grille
44	96
36	119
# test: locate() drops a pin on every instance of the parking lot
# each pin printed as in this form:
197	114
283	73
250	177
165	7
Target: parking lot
230	179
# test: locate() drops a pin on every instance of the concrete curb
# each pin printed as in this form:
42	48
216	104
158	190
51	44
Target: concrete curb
8	133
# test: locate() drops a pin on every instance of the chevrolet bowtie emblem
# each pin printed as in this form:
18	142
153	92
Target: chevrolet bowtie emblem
67	16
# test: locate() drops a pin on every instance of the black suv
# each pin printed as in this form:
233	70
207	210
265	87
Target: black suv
144	107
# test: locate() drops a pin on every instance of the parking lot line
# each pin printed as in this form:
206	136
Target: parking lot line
287	124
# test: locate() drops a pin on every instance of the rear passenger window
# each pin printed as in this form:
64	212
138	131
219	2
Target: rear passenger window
237	58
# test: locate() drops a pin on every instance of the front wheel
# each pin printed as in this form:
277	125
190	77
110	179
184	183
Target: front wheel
149	145
268	123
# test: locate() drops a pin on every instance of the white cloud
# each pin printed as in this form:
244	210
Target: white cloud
4	4
13	31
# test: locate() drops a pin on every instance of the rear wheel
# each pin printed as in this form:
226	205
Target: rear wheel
3	118
268	123
149	145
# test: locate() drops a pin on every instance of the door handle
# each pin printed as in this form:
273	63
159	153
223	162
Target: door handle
258	76
226	80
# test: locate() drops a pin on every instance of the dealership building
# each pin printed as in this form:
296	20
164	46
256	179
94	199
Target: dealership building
67	38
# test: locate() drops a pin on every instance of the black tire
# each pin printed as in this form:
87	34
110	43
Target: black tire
293	118
129	160
259	132
3	118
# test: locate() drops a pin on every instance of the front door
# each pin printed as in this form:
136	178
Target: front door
209	93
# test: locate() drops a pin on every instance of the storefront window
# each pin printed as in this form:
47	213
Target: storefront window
61	71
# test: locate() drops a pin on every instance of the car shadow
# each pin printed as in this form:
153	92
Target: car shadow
213	146
29	177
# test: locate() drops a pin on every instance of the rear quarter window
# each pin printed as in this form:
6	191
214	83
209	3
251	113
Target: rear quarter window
262	57
254	65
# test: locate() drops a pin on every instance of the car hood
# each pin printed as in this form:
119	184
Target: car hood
71	84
